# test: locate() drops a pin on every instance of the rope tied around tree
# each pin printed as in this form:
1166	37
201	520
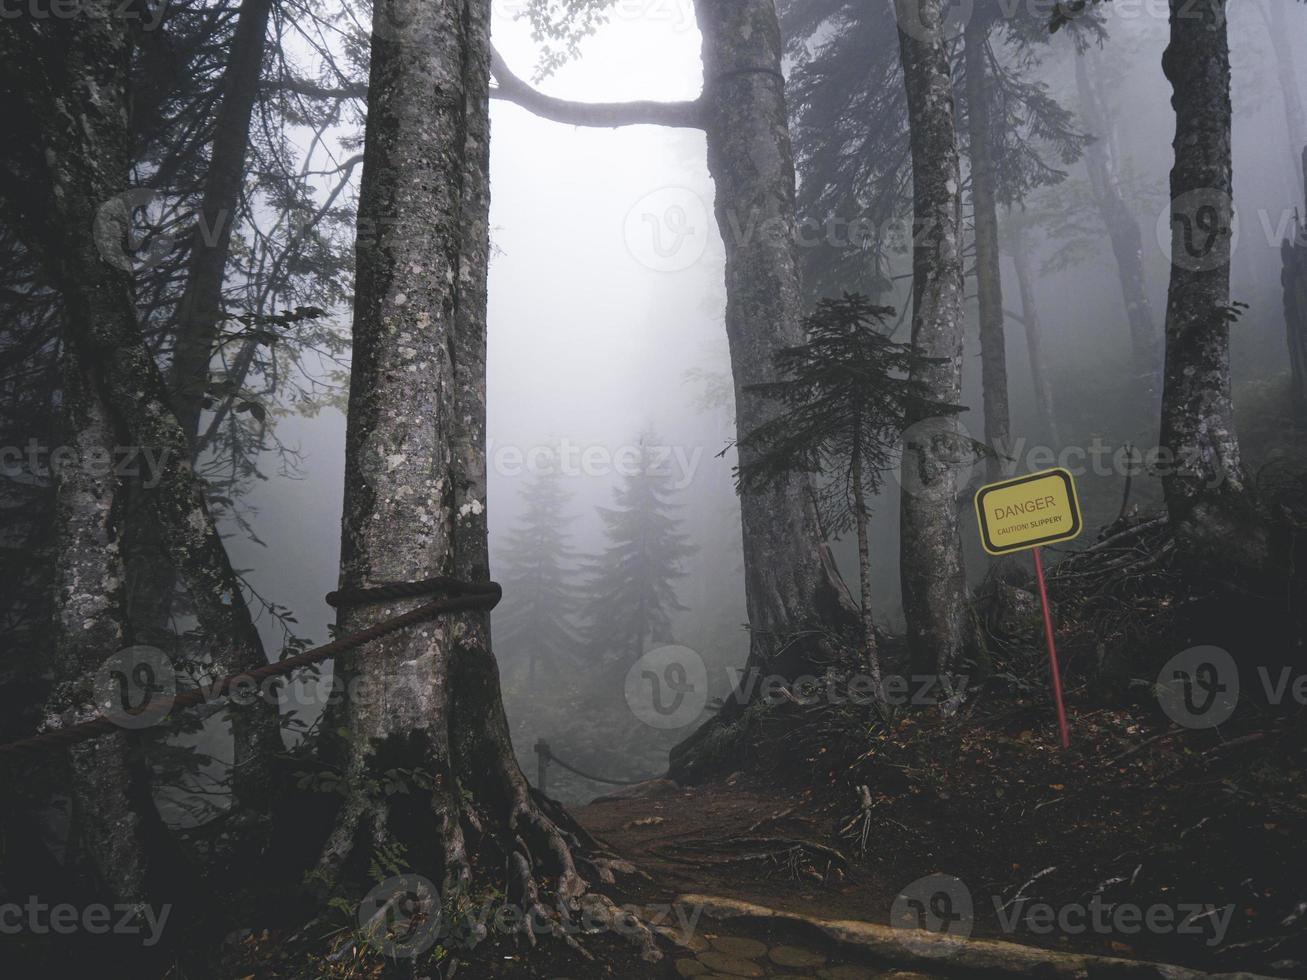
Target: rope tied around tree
456	597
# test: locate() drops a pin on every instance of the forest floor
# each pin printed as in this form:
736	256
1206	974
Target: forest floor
1136	812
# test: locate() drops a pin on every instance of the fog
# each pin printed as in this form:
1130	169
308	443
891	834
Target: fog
598	325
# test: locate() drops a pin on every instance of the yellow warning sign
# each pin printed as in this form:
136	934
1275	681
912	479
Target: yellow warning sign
1028	511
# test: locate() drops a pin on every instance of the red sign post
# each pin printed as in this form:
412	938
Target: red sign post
1052	652
1021	515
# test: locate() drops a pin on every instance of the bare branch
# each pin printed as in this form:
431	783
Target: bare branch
510	88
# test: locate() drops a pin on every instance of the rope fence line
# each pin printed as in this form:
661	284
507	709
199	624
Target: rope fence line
545	755
458	597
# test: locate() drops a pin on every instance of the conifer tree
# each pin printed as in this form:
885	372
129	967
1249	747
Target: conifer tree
632	591
847	394
536	622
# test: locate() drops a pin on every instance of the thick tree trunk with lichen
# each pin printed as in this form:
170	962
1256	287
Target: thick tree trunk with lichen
108	782
989	277
934	580
791	584
424	705
1207	494
83	115
1122	230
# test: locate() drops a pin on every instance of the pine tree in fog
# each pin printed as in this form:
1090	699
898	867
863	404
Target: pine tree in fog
632	592
536	622
847	393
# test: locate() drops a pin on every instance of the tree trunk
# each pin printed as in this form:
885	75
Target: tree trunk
111	806
1294	279
1206	492
1287	71
989	277
426	702
1034	337
861	517
198	316
1122	231
791	583
85	132
200	310
934	580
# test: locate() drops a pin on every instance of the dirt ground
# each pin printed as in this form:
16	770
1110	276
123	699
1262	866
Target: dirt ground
1203	827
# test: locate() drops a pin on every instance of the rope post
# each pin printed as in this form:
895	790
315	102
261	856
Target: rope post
542	763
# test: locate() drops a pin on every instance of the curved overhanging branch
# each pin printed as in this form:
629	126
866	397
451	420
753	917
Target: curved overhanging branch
609	115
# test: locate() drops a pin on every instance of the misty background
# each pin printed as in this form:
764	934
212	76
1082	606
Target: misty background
606	306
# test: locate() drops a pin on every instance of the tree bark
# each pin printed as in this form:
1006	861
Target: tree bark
108	782
1122	231
989	277
1207	495
934	580
791	583
1034	336
426	702
82	108
200	311
861	518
